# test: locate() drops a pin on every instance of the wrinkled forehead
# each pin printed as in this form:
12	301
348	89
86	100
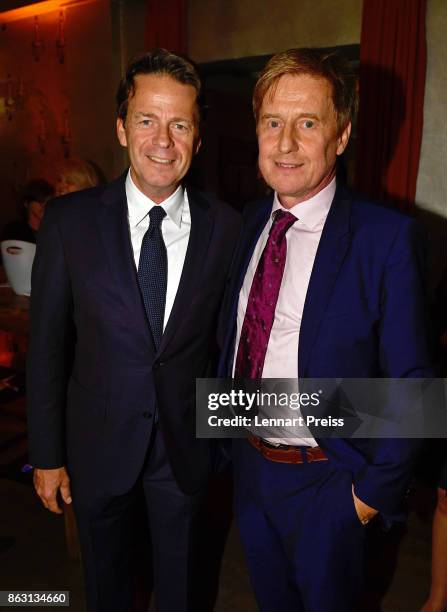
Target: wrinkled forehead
298	86
158	81
300	94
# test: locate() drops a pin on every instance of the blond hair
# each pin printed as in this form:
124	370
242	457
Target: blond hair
79	173
317	63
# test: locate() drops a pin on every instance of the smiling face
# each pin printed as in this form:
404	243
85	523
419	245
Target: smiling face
298	137
160	132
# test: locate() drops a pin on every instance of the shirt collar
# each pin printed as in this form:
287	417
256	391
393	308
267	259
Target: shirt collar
139	205
313	211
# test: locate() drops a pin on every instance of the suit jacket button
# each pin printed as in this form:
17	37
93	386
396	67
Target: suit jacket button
147	415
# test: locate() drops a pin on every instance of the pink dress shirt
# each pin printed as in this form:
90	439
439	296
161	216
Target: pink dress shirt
281	360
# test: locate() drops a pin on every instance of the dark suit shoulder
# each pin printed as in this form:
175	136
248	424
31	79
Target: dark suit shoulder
365	214
384	231
78	199
373	213
222	209
254	206
76	208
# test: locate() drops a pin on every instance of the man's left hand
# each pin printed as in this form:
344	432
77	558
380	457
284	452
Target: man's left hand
364	512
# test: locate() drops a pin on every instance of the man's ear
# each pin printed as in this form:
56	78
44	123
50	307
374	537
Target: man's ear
198	144
121	132
343	139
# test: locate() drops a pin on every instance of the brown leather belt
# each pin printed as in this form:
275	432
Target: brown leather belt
287	454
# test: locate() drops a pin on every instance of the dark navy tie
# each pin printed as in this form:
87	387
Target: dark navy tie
153	273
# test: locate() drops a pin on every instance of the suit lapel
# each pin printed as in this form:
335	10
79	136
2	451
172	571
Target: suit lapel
254	223
332	249
202	223
114	229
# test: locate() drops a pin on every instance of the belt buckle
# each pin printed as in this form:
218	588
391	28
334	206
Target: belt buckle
268	445
308	454
310	457
275	447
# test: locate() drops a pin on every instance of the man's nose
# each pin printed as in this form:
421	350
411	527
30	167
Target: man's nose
287	140
162	136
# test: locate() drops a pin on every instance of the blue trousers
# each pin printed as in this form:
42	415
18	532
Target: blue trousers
303	541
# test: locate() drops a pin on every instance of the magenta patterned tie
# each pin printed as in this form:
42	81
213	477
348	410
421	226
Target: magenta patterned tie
264	291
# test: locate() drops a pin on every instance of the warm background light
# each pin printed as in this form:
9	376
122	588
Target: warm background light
50	109
39	8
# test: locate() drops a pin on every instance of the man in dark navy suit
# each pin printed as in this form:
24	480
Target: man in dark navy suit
126	287
328	286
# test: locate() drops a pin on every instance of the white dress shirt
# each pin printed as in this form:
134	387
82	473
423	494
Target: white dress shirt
281	359
175	228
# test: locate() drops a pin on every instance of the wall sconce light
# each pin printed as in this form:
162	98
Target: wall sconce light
37	43
60	42
10	101
20	94
36	7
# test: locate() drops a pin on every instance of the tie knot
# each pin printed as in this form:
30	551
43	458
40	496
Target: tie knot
282	221
156	215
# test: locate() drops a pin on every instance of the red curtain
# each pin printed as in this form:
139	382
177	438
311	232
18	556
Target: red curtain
166	25
392	83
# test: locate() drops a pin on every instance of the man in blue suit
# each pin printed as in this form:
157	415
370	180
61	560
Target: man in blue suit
127	283
326	285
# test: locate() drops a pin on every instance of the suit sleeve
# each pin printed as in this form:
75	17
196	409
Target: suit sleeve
51	346
404	351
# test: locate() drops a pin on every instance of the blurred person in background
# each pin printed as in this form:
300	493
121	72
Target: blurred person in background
35	196
76	174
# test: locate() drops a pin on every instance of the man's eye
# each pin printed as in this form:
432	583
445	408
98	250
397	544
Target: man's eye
180	127
308	123
146	123
273	123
